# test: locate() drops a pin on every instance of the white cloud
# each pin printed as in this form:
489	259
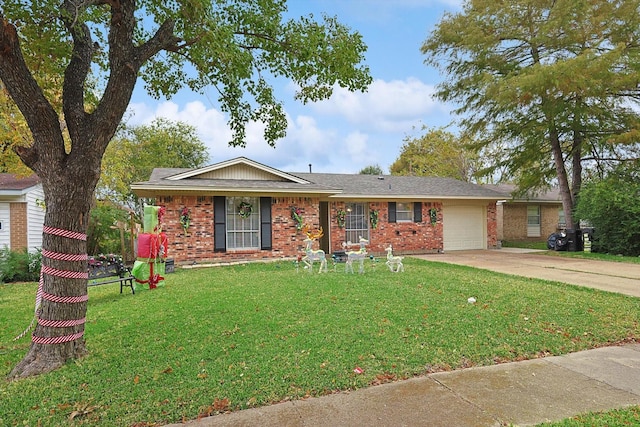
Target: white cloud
392	106
343	134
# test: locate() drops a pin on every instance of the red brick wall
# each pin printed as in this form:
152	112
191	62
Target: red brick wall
492	226
404	237
18	221
288	242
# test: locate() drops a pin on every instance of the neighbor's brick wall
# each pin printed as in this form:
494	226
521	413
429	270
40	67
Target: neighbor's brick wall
18	221
550	216
515	222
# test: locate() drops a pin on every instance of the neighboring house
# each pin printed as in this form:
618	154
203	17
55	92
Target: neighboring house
21	212
241	209
528	218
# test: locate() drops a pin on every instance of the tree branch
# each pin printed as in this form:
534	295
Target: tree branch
29	98
77	71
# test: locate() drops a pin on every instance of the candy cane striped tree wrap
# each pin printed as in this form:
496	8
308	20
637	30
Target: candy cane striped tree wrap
41	294
60	323
56	340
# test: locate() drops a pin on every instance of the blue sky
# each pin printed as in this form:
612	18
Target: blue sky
350	130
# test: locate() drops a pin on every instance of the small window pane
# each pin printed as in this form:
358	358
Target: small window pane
404	211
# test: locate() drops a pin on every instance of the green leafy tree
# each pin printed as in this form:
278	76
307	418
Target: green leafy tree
135	151
436	153
612	206
371	170
543	87
104	232
231	45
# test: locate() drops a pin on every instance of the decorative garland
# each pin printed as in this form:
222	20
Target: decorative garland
433	215
245	210
373	218
185	218
340	217
296	215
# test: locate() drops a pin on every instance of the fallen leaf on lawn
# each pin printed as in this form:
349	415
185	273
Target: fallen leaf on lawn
136	379
168	370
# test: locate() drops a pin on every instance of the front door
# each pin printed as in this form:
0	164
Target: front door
324	223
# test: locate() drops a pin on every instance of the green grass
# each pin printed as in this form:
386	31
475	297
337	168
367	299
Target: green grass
616	418
581	254
249	335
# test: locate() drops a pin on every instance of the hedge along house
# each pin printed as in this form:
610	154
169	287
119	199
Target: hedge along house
21	212
241	210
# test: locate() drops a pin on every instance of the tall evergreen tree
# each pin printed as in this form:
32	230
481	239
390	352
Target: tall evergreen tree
544	85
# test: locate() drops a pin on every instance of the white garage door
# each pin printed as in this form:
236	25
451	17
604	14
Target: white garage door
464	228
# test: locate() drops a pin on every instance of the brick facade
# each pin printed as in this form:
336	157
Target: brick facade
19	226
197	244
514	218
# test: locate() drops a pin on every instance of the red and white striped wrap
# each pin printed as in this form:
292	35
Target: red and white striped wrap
56	298
65	299
64	257
56	340
64	233
60	323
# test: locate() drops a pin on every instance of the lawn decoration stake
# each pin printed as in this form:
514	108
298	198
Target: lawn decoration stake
311	255
149	267
394	261
358	256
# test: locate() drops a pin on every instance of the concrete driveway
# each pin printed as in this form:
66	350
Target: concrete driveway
618	277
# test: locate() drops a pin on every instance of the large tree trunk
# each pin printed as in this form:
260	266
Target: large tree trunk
563	181
58	336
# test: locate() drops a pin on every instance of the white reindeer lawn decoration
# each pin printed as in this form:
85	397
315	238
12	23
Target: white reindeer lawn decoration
394	261
358	255
310	254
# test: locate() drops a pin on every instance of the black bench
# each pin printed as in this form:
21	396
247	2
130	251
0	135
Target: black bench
103	273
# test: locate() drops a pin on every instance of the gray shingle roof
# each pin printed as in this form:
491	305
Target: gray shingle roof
332	185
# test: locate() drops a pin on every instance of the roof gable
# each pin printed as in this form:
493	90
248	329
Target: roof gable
239	169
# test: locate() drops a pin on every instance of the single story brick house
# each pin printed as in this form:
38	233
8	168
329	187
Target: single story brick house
532	217
21	212
242	210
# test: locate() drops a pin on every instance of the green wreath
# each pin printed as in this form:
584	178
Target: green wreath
245	210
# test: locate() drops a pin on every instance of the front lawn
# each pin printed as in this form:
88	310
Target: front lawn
229	338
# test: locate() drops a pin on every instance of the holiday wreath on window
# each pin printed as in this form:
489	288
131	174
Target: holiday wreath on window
245	210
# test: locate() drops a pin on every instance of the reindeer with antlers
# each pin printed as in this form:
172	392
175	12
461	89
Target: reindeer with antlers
310	254
358	255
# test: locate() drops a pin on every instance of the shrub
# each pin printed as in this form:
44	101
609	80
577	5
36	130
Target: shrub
612	207
19	265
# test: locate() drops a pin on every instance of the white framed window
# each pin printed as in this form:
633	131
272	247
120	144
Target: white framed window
356	222
533	221
404	212
243	223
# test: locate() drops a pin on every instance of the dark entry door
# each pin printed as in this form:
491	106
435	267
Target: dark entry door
324	223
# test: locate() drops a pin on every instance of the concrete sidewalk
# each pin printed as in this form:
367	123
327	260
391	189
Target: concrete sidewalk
519	393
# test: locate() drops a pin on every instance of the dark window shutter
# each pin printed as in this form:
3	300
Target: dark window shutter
392	211
265	223
417	212
219	224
